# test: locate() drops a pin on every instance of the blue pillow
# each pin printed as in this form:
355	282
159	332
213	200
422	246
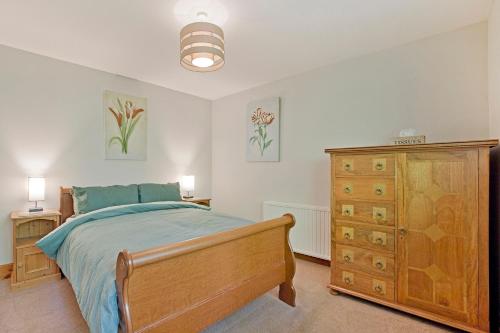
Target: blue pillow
159	192
88	199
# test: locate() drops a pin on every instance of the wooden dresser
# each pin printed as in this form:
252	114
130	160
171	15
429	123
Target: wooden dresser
410	229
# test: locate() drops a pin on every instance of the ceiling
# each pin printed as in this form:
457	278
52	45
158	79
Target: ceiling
266	40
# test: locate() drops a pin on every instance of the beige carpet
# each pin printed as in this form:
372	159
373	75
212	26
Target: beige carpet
52	308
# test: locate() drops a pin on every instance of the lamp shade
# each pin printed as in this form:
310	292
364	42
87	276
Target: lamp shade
36	189
187	183
202	47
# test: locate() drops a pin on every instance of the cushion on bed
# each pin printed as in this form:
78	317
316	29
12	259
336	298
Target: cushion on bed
88	199
159	192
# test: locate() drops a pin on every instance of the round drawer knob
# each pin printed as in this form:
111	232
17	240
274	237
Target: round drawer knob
379	265
378	289
347	167
347	280
347	212
379	241
379	191
347	259
347	235
379	166
347	189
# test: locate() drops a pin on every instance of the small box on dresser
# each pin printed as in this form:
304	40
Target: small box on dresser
31	265
410	229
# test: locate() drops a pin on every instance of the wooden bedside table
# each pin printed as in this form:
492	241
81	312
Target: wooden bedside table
199	201
31	265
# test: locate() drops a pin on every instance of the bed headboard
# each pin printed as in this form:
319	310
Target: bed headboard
66	204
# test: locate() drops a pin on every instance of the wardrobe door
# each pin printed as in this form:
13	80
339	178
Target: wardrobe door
437	233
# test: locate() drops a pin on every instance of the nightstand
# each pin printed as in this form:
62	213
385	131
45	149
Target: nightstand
31	265
199	201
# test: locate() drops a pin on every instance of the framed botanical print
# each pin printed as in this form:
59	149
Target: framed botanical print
263	130
125	126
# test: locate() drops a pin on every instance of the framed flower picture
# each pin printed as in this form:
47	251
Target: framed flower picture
125	126
263	130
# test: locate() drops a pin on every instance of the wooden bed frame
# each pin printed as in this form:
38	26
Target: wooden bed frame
189	285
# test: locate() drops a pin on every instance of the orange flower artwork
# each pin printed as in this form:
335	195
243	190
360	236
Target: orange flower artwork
261	120
263	130
126	115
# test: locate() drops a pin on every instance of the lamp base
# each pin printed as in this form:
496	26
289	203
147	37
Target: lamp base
35	210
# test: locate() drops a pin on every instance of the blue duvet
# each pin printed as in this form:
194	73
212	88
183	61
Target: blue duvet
86	248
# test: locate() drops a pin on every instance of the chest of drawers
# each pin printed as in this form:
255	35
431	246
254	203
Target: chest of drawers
410	229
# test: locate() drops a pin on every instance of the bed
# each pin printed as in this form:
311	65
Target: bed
197	268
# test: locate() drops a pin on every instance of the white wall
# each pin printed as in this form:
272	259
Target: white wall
437	85
51	124
494	69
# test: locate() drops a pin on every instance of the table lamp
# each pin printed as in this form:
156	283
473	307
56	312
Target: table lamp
187	184
36	192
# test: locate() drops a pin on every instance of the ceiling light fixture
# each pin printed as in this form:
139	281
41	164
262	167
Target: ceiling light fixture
202	45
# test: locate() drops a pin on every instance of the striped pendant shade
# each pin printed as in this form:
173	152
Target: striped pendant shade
202	47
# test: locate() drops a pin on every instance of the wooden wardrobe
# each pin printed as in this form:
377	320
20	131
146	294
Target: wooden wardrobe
410	229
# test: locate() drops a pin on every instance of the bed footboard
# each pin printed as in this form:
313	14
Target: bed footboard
186	286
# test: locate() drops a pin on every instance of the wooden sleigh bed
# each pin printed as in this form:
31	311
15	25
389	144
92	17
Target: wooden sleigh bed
189	285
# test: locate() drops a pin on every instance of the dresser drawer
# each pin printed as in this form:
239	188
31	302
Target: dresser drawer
381	213
364	283
365	165
364	260
365	236
364	189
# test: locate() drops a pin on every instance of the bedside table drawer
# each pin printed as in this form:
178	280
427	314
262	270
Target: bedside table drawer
33	263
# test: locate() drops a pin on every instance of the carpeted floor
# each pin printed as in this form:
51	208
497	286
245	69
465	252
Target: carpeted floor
52	308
